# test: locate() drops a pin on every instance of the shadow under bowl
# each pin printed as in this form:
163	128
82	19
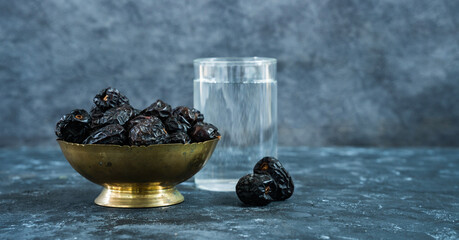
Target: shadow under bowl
138	176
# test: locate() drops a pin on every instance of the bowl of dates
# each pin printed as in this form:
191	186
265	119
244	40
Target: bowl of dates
138	156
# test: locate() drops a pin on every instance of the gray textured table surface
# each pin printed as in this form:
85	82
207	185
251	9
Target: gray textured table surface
341	193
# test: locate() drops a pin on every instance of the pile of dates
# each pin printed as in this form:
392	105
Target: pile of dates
114	121
268	182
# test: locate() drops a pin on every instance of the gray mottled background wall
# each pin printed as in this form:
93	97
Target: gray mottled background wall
383	73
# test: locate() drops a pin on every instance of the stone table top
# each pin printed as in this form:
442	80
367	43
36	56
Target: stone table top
341	193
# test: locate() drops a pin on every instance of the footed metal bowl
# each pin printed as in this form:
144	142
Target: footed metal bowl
138	176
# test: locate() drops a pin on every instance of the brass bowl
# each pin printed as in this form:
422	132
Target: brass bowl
138	176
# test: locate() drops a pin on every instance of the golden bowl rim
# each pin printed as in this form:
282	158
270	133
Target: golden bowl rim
135	146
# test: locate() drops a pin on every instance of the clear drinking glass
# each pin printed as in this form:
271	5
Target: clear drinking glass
239	96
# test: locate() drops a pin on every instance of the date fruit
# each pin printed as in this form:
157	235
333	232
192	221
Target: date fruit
272	166
256	189
110	98
248	188
158	109
114	121
110	134
139	118
176	124
179	137
191	115
118	115
201	132
147	132
74	127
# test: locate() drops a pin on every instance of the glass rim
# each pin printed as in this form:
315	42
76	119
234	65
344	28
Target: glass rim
235	61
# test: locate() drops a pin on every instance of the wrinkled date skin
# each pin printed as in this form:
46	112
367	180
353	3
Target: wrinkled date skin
158	109
201	132
179	137
139	118
192	116
118	115
256	189
74	127
176	124
110	134
95	113
110	98
147	132
272	166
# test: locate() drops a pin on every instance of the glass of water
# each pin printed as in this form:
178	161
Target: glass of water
239	96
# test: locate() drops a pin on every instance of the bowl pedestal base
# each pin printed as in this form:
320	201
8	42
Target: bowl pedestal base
127	198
